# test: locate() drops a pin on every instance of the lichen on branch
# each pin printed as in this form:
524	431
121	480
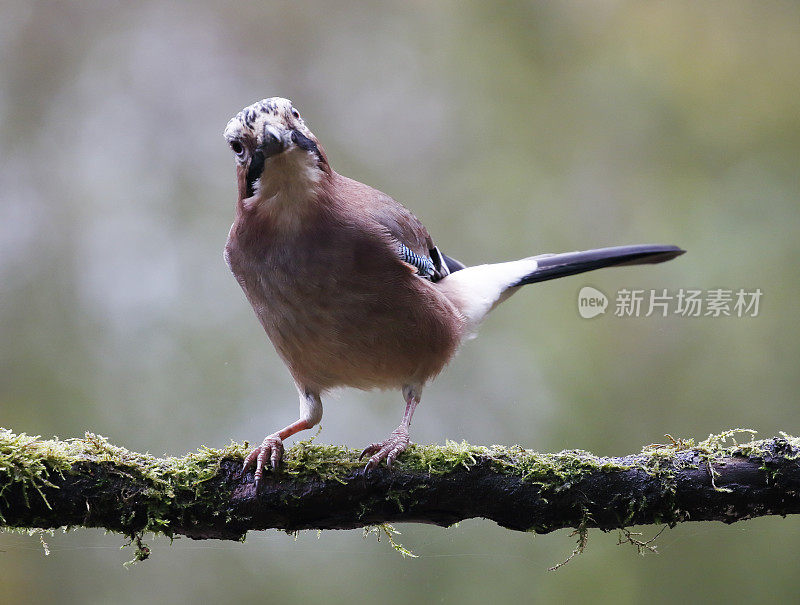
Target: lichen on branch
89	482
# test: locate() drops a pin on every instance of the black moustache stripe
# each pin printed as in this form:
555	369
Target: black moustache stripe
255	170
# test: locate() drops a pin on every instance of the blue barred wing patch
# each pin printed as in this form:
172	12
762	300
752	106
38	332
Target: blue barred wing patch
424	265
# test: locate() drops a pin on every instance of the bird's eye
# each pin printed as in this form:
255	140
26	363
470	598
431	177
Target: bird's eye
296	113
237	147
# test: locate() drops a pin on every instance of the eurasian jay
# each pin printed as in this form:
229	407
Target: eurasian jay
348	284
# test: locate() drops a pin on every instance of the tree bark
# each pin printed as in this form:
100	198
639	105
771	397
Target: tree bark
91	483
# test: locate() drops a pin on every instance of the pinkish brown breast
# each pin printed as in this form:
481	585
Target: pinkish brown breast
340	308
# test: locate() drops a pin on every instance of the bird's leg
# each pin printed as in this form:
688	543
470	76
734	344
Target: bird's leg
398	441
272	446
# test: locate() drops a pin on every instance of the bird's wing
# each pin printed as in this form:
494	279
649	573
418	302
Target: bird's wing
414	244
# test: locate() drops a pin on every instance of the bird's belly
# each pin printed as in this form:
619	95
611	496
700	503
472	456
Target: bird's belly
342	329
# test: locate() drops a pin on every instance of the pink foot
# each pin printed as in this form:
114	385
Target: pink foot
271	447
390	449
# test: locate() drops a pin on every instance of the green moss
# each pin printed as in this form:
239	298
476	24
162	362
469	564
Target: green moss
582	532
29	462
390	532
306	460
21	461
440	460
558	471
180	487
327	462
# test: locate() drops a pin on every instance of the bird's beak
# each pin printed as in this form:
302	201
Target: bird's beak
273	142
271	145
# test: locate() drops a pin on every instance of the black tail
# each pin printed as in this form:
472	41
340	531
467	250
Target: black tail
552	266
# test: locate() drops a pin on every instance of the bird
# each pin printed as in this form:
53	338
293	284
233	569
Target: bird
348	284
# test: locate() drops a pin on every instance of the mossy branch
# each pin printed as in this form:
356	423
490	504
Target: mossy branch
90	483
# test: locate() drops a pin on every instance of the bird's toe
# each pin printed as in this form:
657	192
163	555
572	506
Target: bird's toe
370	449
270	449
387	450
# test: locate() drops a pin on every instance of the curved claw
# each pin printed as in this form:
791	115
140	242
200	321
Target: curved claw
370	449
271	447
389	449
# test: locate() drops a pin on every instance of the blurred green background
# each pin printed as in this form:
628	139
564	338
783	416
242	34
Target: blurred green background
510	129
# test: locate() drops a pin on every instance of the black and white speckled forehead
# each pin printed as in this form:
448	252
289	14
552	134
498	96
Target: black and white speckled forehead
251	120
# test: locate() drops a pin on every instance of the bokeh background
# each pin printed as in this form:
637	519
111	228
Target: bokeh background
511	129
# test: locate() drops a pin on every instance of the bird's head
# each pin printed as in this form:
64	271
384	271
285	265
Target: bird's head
274	148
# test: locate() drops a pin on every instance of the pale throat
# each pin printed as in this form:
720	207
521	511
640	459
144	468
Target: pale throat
289	184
